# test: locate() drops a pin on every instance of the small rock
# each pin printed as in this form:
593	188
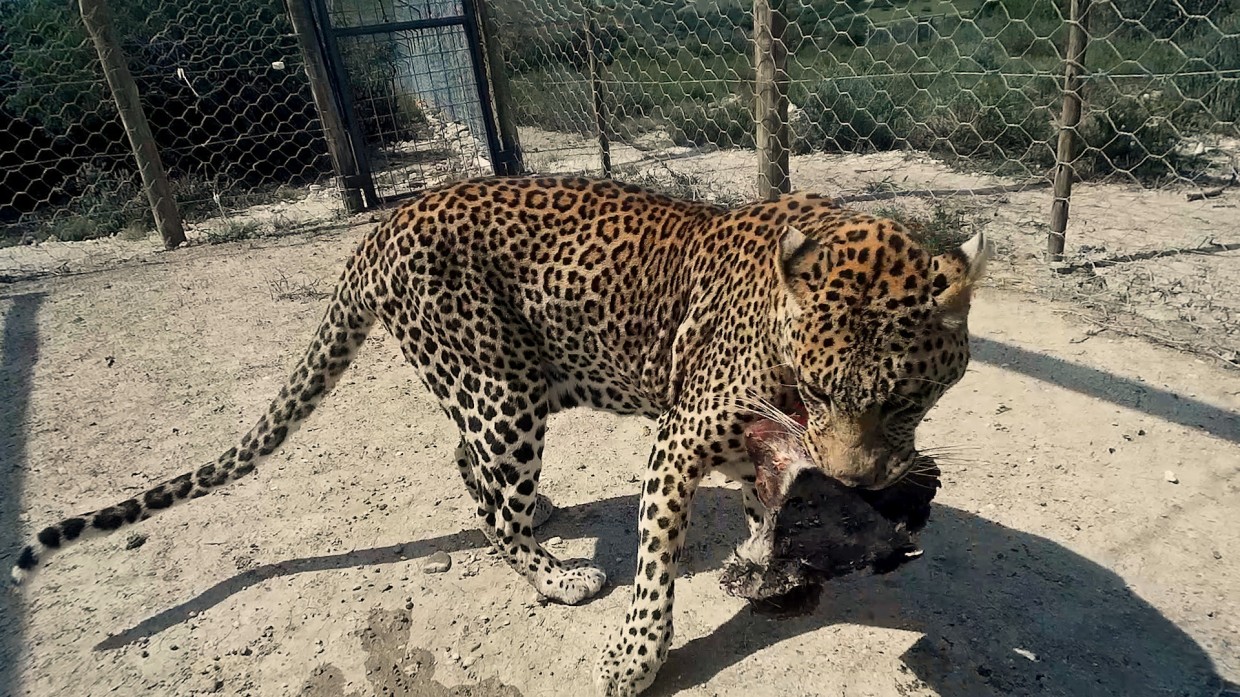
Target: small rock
135	541
1170	477
1216	554
437	563
1024	653
553	541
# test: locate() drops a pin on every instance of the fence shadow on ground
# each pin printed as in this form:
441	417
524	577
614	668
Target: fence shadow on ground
19	351
982	591
1130	394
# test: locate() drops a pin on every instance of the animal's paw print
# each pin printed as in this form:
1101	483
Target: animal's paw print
575	581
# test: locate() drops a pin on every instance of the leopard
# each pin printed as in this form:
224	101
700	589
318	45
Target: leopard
518	297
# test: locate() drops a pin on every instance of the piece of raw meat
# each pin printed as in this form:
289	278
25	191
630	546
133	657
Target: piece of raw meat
820	529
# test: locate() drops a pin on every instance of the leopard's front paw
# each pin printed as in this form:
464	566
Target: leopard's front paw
628	666
573	582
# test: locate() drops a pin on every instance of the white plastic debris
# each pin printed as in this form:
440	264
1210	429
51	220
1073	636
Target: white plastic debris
1024	653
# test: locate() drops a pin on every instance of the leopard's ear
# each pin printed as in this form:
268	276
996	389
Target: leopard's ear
954	274
796	255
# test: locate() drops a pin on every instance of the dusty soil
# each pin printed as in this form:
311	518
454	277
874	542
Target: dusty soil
1059	559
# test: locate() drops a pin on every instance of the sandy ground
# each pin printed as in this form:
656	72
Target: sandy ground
1060	560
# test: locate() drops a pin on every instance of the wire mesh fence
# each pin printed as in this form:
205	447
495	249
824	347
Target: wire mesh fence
974	82
947	113
223	91
229	102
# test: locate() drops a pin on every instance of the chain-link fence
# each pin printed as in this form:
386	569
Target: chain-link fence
947	113
978	83
229	100
223	92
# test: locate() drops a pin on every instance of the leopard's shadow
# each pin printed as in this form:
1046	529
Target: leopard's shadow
981	591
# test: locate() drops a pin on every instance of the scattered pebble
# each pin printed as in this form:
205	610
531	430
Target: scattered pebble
438	563
1170	477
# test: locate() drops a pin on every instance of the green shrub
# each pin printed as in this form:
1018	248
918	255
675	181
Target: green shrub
234	231
728	123
854	114
106	202
1126	135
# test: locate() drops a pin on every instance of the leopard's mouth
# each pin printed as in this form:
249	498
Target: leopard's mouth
897	475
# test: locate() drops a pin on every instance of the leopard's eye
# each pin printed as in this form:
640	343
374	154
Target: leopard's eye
815	394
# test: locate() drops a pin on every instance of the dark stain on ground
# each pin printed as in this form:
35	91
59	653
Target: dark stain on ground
394	669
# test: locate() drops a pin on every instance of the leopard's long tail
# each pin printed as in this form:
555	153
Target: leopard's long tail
340	334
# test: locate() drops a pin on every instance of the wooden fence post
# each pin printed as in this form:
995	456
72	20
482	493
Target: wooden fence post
339	147
594	44
1074	65
771	98
98	23
512	161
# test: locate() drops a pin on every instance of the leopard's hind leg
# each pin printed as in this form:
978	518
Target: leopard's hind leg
493	388
543	507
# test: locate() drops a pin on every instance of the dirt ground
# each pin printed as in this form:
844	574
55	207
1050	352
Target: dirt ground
1059	559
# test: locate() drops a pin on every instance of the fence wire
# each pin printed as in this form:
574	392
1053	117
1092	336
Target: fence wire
973	82
224	92
949	114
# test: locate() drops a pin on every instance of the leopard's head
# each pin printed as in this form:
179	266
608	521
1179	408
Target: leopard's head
875	329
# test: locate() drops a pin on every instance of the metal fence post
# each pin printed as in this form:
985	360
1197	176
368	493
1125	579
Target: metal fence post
301	16
771	97
511	160
98	22
1074	65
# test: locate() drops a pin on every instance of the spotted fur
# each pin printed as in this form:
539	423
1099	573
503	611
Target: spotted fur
520	297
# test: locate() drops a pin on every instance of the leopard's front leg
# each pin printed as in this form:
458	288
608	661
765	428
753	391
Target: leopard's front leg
631	660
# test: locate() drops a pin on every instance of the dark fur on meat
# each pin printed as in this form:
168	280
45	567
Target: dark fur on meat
821	529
